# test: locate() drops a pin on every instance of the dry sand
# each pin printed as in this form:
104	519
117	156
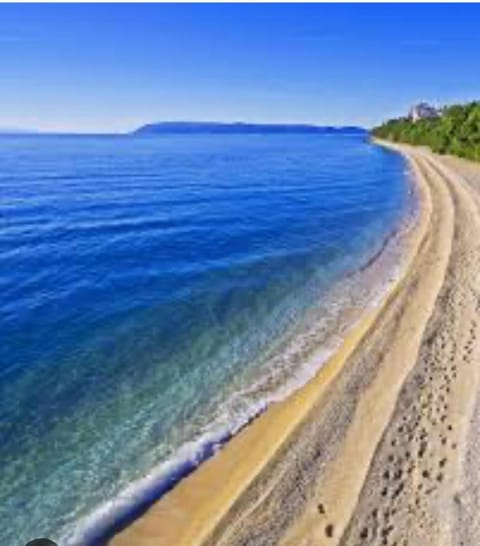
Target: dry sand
382	446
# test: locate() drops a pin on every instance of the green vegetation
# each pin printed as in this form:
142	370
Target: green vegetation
456	131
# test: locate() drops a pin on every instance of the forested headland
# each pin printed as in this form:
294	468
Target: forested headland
456	131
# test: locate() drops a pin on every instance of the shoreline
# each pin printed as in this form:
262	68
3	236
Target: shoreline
189	513
389	457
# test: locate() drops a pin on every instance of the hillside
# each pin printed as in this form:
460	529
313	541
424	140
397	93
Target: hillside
456	131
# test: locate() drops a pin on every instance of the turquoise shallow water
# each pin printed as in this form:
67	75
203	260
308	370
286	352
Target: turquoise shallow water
157	293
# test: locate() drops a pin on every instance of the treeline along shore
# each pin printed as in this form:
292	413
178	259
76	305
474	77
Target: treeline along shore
455	130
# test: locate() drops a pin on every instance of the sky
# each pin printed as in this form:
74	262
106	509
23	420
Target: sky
109	68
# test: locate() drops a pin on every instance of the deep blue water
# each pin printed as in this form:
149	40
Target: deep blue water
156	293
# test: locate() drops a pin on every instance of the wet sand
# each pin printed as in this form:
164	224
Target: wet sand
381	446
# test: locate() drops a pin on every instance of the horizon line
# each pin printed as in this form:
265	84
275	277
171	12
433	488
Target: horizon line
19	131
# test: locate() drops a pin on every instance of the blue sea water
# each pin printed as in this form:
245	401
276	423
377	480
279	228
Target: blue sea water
157	293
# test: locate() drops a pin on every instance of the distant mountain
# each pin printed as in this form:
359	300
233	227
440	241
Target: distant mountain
195	127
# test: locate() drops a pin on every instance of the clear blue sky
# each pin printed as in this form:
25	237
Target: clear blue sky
113	67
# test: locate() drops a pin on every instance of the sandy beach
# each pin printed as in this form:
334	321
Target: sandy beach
381	447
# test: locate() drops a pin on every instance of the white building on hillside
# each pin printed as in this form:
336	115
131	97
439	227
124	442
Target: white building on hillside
423	110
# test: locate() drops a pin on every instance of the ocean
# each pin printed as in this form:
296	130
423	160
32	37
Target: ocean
157	293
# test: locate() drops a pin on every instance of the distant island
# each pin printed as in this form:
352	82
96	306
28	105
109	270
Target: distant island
451	130
210	127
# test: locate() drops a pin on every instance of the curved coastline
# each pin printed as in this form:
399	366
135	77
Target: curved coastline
389	454
189	514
